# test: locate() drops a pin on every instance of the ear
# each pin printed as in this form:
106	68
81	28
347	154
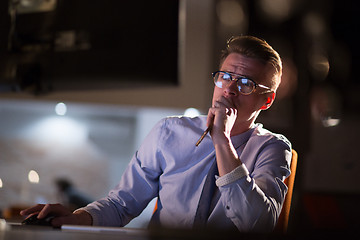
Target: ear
269	101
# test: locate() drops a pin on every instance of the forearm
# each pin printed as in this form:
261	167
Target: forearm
226	155
248	207
253	200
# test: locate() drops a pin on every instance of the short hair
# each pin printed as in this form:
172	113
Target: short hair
253	47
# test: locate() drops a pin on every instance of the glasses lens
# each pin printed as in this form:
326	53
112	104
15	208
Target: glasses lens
245	85
221	79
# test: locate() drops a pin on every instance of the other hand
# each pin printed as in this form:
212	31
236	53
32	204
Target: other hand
61	213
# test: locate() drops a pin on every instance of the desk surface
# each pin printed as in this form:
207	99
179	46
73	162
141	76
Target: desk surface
44	233
16	231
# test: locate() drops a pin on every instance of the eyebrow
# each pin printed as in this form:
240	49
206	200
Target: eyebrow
258	84
240	75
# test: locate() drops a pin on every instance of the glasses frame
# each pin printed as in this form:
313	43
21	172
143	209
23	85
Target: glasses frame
240	77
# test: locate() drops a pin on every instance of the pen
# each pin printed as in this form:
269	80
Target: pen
203	135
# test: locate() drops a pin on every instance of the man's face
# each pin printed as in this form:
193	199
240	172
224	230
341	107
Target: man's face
248	106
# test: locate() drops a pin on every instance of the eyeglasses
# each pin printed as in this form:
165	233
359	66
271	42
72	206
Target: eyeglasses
245	85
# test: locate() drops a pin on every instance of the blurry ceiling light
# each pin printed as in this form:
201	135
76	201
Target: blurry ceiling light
60	130
276	9
314	24
330	122
60	109
33	176
230	13
320	66
326	104
31	6
191	112
1	183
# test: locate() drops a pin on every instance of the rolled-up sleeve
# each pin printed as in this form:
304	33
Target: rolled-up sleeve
237	173
253	198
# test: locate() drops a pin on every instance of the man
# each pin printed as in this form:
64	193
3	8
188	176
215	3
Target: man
251	162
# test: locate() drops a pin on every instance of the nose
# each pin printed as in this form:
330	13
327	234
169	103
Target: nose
231	89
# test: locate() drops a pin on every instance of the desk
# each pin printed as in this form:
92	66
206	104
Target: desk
48	233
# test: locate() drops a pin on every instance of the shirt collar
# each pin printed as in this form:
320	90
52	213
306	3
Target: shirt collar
240	139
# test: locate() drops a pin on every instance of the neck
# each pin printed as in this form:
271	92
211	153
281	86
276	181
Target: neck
243	126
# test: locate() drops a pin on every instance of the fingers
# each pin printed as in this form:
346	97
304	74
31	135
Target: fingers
222	107
55	209
221	116
45	209
61	213
210	118
32	210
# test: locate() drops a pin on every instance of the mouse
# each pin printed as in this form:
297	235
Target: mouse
33	220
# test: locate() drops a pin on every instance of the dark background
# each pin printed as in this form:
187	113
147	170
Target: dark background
325	153
317	41
110	42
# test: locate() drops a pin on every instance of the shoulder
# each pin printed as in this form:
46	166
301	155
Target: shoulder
265	136
183	122
178	128
265	148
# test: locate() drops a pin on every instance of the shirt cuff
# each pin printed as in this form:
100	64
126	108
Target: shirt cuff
232	176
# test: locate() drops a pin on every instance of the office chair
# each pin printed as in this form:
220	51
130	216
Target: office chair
282	224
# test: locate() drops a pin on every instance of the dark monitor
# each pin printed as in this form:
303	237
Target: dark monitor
81	44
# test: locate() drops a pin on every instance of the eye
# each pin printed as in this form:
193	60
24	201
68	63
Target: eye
246	86
246	82
225	76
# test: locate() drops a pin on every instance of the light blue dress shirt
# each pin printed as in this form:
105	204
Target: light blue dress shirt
169	166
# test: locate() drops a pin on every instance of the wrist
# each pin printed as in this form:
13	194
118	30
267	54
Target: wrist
220	138
83	217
